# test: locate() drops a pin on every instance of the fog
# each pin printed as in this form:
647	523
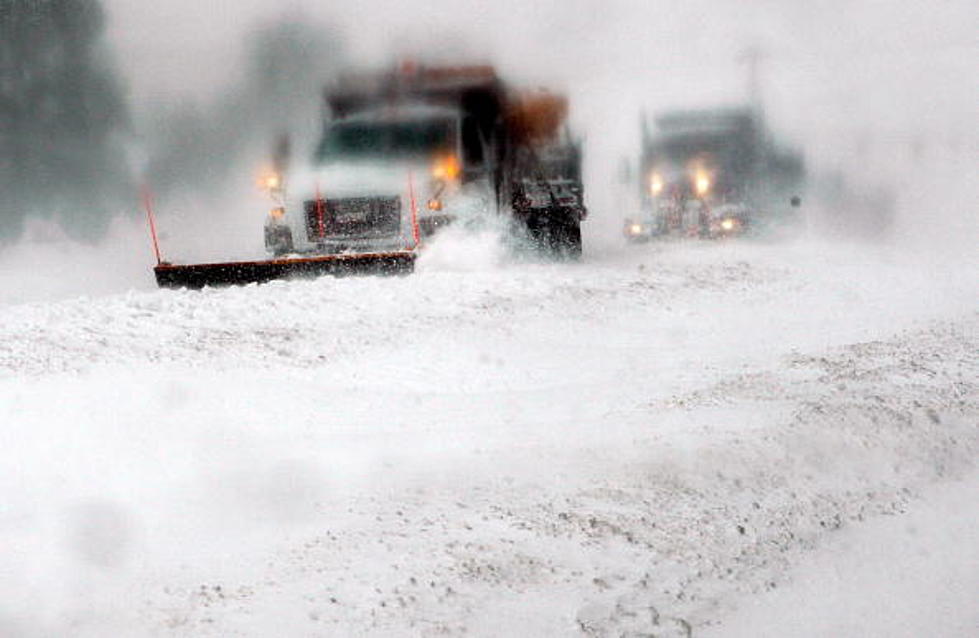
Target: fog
63	119
879	97
512	447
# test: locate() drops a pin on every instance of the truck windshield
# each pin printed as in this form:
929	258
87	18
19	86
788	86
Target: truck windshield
367	139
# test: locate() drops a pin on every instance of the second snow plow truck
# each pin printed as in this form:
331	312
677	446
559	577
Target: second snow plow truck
714	173
404	154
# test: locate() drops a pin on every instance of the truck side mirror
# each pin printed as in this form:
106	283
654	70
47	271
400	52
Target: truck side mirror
796	201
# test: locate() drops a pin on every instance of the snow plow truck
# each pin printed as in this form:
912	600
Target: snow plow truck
713	173
403	154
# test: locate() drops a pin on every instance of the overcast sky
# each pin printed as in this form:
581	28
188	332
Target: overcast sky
833	68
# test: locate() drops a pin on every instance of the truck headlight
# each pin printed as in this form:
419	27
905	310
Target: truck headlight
728	224
656	184
446	167
271	182
702	184
635	229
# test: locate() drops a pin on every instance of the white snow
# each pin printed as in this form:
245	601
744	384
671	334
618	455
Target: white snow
904	576
640	442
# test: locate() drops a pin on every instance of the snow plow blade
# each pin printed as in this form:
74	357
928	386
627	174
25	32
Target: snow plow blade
197	276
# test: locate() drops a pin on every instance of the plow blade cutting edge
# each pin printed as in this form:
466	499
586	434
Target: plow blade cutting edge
247	272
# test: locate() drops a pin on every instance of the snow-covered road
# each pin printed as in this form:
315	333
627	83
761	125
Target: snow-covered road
632	444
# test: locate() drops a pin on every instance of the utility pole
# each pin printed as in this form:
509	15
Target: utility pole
752	57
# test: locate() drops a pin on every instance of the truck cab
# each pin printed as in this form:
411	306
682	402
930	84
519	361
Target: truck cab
380	179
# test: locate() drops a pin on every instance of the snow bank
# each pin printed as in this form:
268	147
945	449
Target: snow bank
47	265
628	445
913	574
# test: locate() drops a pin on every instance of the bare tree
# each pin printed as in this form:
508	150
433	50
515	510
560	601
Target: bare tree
63	118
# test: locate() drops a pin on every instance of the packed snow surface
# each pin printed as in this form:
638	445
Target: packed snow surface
650	442
895	577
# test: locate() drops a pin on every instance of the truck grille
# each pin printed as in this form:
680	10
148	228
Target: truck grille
353	217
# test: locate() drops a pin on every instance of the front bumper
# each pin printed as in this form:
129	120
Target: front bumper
727	227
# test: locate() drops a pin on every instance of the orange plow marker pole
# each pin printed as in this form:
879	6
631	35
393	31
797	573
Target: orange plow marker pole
415	232
319	212
148	204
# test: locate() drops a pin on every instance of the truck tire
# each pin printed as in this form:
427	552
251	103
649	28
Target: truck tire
538	231
278	240
566	239
574	240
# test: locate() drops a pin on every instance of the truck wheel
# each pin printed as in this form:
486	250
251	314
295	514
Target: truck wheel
278	240
539	232
566	239
574	240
